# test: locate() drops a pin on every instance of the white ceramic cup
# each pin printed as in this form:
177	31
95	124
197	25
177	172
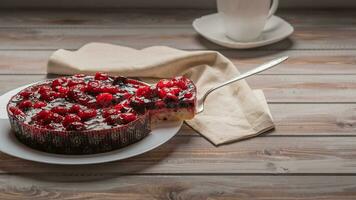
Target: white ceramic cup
244	20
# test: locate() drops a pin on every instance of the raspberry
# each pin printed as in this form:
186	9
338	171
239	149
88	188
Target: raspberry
75	108
128	117
39	104
25	94
87	114
101	76
75	126
60	110
104	99
16	111
188	95
70	118
25	104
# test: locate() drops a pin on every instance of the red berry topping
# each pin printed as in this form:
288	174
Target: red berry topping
44	89
16	111
73	82
113	119
45	116
94	87
59	82
110	111
57	118
70	118
75	126
79	75
160	104
75	108
128	117
25	104
171	96
110	89
188	95
63	91
145	91
164	83
119	107
39	104
25	94
104	99
62	110
101	76
87	114
175	91
162	93
180	82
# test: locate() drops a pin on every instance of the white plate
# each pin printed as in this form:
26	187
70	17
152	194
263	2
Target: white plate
10	145
211	27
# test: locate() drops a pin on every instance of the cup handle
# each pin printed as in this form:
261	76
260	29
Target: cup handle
273	8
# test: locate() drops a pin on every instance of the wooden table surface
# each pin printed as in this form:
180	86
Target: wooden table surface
310	155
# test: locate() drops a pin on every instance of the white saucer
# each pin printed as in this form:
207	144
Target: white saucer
211	28
11	146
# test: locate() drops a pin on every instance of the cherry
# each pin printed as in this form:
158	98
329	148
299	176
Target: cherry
63	91
188	95
101	76
16	111
113	119
75	126
171	96
128	117
25	94
110	111
44	116
110	89
145	91
73	82
59	82
87	114
62	110
70	118
39	104
94	87
57	118
104	99
25	104
75	108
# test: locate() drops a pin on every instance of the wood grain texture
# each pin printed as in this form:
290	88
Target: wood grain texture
277	88
299	62
178	187
195	155
179	37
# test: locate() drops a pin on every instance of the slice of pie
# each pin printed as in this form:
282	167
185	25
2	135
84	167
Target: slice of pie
92	114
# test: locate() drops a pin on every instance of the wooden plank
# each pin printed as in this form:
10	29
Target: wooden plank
192	155
153	17
179	37
307	120
277	88
299	62
178	187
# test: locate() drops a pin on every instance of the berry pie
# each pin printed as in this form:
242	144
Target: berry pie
92	114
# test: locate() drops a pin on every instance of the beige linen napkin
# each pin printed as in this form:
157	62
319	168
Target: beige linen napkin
232	113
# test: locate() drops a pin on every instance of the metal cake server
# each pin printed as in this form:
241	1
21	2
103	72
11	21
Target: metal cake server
261	68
